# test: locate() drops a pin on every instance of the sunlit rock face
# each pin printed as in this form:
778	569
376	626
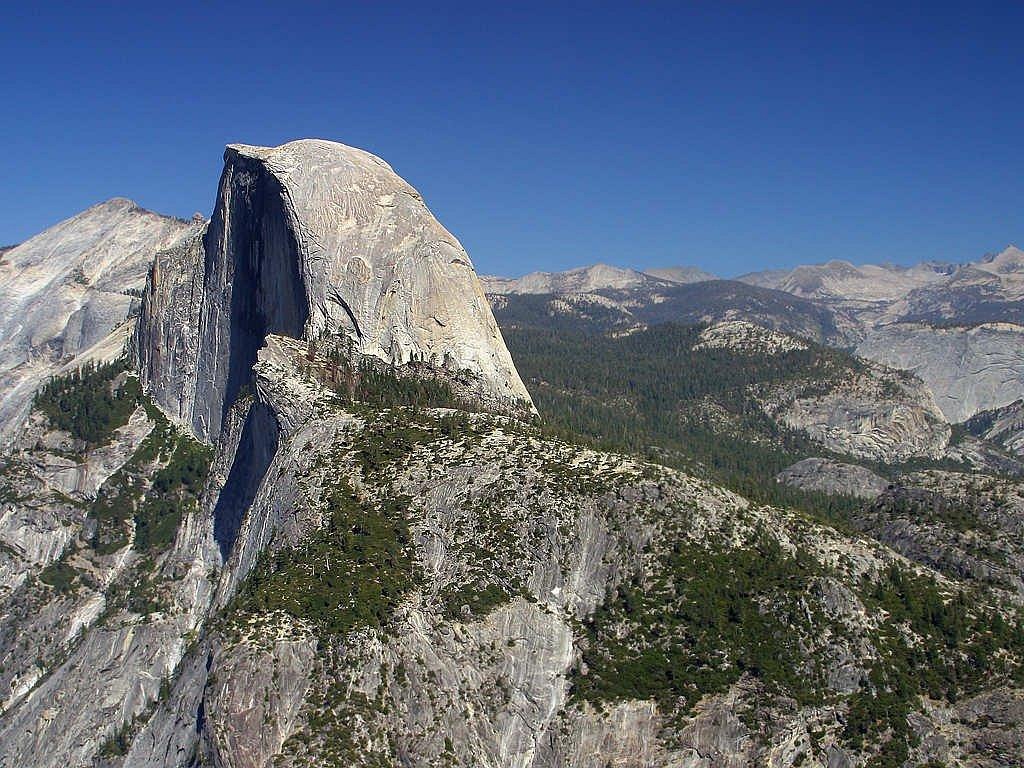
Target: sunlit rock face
65	290
309	240
970	369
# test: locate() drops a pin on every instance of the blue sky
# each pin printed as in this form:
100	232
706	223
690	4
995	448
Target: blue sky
732	136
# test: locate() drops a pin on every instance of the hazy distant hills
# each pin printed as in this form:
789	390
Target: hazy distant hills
845	281
918	293
597	277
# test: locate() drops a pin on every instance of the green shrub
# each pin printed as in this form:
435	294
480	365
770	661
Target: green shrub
86	404
163	478
352	572
480	599
696	625
60	576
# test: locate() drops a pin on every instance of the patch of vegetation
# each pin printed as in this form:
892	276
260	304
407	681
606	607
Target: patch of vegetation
933	644
372	382
350	573
698	622
384	442
478	599
60	576
175	487
91	402
395	434
154	488
118	743
381	386
918	505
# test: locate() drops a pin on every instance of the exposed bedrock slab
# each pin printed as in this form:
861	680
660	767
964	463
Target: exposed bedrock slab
829	476
968	369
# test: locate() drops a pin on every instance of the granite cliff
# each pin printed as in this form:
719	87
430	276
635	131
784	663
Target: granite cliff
322	242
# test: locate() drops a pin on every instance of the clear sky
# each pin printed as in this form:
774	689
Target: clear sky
731	136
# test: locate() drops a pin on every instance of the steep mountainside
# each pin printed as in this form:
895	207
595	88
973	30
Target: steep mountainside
970	369
316	241
64	290
536	603
1004	426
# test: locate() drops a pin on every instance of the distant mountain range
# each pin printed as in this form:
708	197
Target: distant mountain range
834	280
959	326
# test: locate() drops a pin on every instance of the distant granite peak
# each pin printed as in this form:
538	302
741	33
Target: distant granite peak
65	289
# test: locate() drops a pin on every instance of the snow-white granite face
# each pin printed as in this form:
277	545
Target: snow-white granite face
64	290
376	263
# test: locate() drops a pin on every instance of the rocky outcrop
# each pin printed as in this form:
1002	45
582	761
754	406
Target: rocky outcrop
315	240
108	626
168	333
833	477
741	336
1003	426
66	289
874	413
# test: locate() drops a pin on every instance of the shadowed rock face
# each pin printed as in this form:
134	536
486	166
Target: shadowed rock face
253	455
253	286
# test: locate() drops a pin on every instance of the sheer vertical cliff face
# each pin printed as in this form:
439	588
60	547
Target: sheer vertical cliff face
168	333
308	240
253	286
